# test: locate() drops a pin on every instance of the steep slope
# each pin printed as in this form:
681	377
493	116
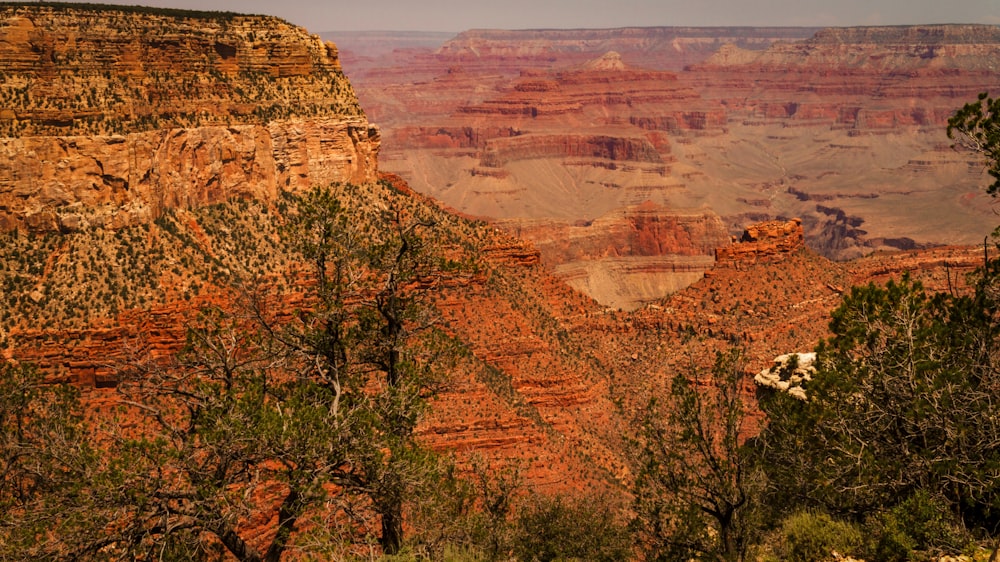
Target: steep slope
112	115
110	251
526	389
547	376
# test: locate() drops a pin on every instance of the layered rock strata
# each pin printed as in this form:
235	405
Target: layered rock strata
762	241
842	127
630	256
110	115
660	47
865	79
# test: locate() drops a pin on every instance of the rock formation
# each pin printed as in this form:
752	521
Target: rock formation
602	129
546	374
788	373
865	78
768	240
901	50
670	48
842	127
108	116
546	366
629	256
522	391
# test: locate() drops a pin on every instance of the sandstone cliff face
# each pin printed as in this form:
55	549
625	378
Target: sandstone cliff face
65	183
898	49
109	116
647	230
631	256
499	152
850	75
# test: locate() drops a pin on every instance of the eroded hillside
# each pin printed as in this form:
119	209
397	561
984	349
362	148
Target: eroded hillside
546	378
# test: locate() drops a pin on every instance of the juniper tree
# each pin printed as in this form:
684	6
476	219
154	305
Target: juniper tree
304	414
977	127
697	488
903	402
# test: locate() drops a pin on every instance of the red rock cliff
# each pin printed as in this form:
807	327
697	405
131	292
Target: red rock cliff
763	241
128	111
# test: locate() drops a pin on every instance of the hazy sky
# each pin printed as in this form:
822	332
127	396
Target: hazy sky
458	15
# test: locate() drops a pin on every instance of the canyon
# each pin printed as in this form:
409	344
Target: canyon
552	133
630	201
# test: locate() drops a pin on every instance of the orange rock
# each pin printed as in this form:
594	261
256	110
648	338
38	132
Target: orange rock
101	114
762	241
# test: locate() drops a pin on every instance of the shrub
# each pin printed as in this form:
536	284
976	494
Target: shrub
918	528
903	400
559	529
809	536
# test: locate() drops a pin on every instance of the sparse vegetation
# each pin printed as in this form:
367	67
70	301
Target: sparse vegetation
144	10
87	95
698	490
290	422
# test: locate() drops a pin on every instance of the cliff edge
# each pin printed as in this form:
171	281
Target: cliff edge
110	115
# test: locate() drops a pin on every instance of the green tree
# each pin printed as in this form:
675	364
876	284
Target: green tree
697	488
226	432
273	429
46	467
564	528
977	126
496	491
903	401
901	412
369	335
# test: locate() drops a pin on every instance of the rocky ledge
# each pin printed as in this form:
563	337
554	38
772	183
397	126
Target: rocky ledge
762	241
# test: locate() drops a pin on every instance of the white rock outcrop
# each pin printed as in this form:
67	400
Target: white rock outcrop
788	373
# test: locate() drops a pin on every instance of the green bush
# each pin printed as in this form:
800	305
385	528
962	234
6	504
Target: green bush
558	528
811	537
918	528
450	554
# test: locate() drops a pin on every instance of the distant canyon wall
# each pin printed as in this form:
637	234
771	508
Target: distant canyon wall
864	79
670	48
753	123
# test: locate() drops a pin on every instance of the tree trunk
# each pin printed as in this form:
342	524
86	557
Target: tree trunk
392	527
729	547
287	516
236	545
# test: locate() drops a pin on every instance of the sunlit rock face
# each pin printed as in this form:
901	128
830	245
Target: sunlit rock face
788	373
844	128
109	116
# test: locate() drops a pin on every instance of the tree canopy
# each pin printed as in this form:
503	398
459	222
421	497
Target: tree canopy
307	413
977	126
